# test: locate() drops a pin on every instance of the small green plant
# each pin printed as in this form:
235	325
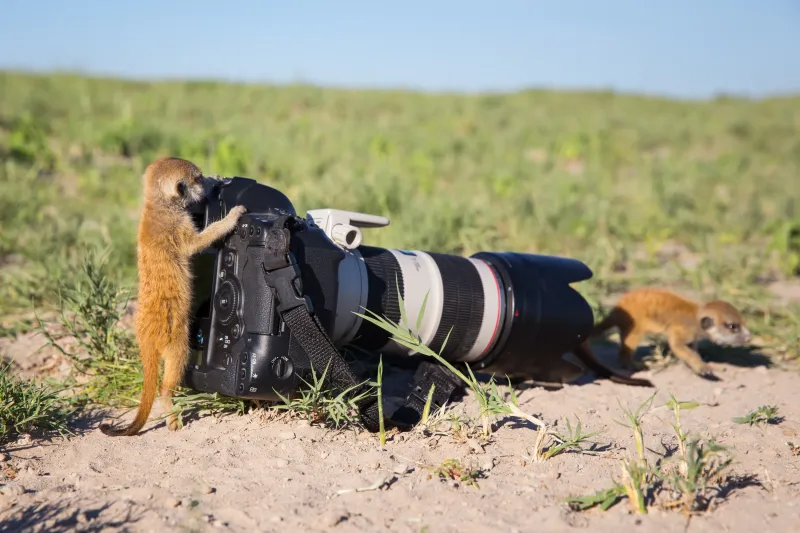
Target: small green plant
700	473
605	499
676	407
26	406
766	414
382	429
455	470
637	476
637	479
572	440
794	449
319	405
426	410
635	423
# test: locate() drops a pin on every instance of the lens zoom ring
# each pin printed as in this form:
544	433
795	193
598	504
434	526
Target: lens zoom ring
463	305
383	277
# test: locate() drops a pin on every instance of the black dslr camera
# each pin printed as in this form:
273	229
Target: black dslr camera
261	293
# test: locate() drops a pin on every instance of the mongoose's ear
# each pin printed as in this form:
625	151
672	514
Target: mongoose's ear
706	322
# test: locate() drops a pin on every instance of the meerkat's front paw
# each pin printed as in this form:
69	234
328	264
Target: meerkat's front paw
237	212
232	218
705	372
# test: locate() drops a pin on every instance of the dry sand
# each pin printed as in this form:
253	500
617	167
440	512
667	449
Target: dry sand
248	473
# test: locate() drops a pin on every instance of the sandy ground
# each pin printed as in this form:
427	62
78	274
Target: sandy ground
249	473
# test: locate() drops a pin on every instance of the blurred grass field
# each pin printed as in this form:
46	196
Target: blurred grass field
703	197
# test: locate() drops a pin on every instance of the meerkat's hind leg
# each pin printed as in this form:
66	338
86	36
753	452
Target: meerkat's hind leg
629	339
176	356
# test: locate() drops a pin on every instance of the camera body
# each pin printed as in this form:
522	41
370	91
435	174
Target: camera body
510	313
240	346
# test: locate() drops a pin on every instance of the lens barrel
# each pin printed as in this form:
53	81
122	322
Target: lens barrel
507	312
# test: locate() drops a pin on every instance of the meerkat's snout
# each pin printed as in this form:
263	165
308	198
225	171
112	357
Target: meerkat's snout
192	190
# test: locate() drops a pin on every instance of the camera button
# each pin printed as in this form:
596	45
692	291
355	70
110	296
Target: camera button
229	259
243	358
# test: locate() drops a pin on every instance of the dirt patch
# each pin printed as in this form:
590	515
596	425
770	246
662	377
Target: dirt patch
30	356
252	473
786	291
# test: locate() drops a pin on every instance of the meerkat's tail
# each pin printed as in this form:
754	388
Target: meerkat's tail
150	369
584	352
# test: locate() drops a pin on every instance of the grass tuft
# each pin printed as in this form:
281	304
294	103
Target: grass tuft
766	414
455	470
571	441
691	482
106	369
26	406
318	405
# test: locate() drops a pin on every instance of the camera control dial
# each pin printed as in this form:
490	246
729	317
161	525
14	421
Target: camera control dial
227	301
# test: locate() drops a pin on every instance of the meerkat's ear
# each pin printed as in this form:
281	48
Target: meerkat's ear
706	322
181	189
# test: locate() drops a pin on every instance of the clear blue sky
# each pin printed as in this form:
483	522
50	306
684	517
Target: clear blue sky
679	48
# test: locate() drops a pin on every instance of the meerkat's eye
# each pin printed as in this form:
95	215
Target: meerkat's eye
732	326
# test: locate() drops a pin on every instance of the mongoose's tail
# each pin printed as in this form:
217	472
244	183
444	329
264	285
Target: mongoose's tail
150	370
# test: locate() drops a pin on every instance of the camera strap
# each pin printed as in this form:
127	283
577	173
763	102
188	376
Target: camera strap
283	275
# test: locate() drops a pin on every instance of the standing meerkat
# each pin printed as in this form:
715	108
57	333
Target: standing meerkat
651	311
166	241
